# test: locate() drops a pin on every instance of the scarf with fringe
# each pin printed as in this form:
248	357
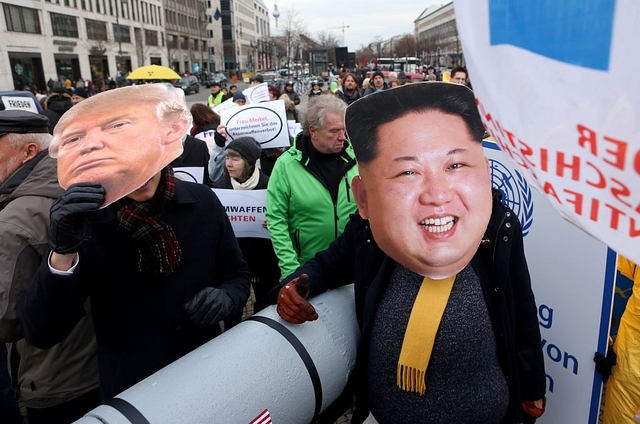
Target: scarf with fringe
420	334
158	249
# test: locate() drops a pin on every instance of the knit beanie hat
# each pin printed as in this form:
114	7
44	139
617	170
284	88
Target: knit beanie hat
248	148
81	92
377	74
239	95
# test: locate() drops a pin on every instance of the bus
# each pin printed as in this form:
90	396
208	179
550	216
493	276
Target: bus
397	64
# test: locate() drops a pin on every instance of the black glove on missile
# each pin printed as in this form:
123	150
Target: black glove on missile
209	306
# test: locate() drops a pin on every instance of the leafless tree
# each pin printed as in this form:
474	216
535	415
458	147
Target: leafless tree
406	46
292	28
367	52
329	40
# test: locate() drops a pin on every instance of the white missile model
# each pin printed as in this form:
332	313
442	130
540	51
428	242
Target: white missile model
263	367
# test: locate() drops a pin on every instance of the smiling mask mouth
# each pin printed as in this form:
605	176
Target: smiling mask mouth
438	225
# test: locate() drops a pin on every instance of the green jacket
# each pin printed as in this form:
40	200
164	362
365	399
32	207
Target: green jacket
301	215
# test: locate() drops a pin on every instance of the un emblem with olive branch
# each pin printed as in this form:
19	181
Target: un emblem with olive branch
516	192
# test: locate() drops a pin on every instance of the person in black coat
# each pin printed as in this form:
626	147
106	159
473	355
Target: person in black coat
55	105
242	173
194	154
442	290
160	266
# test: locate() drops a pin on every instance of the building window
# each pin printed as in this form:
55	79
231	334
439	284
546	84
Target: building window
64	25
121	33
21	19
172	41
151	37
96	30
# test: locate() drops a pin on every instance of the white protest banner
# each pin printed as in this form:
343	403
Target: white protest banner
573	279
194	174
257	94
227	104
246	210
266	122
553	88
294	128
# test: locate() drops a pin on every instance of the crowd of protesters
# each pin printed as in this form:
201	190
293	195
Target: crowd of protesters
166	252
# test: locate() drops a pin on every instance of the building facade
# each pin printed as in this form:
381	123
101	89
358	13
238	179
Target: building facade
189	27
55	40
437	39
260	46
245	34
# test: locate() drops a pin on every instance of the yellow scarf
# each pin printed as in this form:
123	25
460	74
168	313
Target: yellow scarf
420	334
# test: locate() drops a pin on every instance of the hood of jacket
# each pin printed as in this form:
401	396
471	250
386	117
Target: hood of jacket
59	104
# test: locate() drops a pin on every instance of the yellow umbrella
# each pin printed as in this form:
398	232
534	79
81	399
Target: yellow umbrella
153	72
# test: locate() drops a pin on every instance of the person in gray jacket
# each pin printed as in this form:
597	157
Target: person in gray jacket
60	384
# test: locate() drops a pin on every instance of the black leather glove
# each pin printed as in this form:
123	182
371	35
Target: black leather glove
209	306
604	364
70	225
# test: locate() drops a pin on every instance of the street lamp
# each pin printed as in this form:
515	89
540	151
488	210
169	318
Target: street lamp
239	45
252	56
202	17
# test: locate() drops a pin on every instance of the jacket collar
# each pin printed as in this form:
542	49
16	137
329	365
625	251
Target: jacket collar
183	196
302	144
22	173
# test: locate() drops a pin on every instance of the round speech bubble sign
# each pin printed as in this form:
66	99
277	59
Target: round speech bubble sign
259	122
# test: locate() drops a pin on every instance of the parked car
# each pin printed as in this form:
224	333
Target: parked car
218	77
272	78
188	84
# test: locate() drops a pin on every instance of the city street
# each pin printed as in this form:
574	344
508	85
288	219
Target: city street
201	97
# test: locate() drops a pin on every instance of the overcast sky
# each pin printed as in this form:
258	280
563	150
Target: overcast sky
366	19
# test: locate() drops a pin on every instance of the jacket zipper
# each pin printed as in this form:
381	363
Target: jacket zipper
346	183
335	220
495	245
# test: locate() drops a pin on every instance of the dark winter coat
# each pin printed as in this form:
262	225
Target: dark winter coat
293	96
372	89
139	320
348	99
56	105
194	153
499	263
258	252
